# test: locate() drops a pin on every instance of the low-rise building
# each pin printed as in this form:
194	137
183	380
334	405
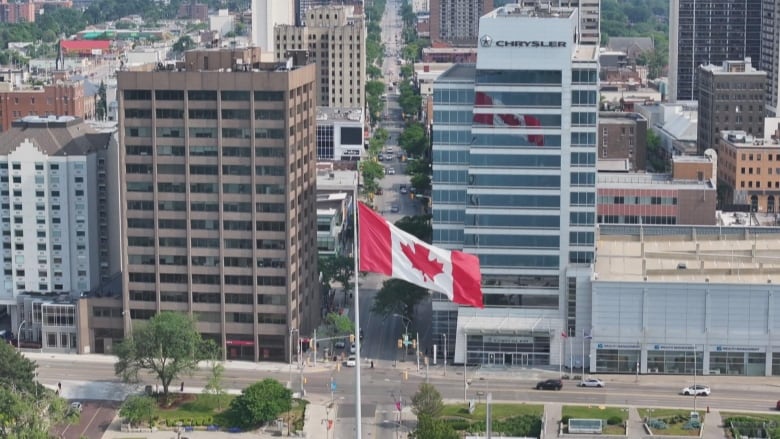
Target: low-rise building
749	171
686	196
62	98
339	133
623	136
676	125
449	55
335	195
193	11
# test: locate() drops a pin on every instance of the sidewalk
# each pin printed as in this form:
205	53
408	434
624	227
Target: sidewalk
712	427
635	425
553	412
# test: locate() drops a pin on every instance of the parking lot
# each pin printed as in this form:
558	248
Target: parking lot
95	418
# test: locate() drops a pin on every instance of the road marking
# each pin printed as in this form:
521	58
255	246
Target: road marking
91	421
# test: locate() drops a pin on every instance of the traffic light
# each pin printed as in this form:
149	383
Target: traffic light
400	343
351	338
414	344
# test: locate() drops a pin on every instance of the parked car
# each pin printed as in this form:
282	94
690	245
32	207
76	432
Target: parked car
75	407
552	384
351	361
696	389
394	208
591	382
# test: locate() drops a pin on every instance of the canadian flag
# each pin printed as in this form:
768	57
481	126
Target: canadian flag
389	250
483	99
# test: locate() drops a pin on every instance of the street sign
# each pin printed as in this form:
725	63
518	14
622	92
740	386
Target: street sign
332	386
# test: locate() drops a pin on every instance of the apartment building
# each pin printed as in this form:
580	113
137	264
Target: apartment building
702	33
218	177
731	98
456	22
749	169
62	98
335	40
56	180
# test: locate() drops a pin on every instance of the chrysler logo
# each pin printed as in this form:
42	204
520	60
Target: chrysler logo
486	41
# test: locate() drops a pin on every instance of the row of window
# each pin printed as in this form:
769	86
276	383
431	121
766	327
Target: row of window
181	224
261	244
175	169
634	219
465	137
209	279
206	261
203	95
207	133
205	151
656	201
202	188
205	113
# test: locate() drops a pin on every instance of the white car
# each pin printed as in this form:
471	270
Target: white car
591	382
390	171
697	389
352	349
351	361
75	407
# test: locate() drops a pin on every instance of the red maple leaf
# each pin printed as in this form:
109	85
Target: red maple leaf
420	258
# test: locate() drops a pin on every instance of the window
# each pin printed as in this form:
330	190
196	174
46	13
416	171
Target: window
235	95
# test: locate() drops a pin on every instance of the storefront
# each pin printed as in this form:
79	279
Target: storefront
737	360
674	359
528	349
617	357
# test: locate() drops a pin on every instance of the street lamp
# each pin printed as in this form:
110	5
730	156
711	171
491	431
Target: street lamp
19	336
407	321
695	391
445	353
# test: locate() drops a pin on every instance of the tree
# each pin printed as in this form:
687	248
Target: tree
27	409
398	297
429	428
168	345
421	183
137	409
338	324
259	403
413	139
102	103
183	44
214	384
418	225
427	401
337	269
371	172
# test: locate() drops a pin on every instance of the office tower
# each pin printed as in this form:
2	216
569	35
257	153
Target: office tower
702	33
514	152
55	183
456	22
335	40
218	178
265	15
770	54
731	97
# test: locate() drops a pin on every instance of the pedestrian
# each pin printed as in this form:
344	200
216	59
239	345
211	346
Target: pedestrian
59	386
182	387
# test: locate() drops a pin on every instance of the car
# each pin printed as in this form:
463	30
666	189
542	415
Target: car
75	407
591	382
696	389
390	171
340	345
390	149
394	208
403	189
352	349
351	361
552	384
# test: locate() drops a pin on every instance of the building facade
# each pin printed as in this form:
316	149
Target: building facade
335	41
456	22
731	98
514	141
218	174
65	98
685	305
749	171
339	133
267	14
55	182
687	196
702	33
623	136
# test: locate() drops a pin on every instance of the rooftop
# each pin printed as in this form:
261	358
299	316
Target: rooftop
540	11
339	114
459	72
620	118
741	139
650	181
54	136
688	254
586	53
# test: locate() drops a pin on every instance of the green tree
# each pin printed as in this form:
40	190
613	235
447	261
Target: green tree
183	44
337	324
418	226
214	385
413	139
372	172
259	403
421	183
168	345
398	297
27	409
429	428
138	409
102	104
427	401
339	269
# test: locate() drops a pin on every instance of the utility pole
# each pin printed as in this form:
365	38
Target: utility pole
418	350
445	353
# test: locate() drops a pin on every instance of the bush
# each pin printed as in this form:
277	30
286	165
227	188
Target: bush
692	425
458	424
657	424
614	420
565	419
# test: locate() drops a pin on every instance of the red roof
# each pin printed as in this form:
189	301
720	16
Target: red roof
80	45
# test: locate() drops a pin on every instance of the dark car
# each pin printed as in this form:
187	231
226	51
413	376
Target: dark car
549	385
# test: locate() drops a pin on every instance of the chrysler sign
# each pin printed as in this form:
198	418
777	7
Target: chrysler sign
487	41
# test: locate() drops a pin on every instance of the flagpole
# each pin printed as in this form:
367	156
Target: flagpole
358	398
